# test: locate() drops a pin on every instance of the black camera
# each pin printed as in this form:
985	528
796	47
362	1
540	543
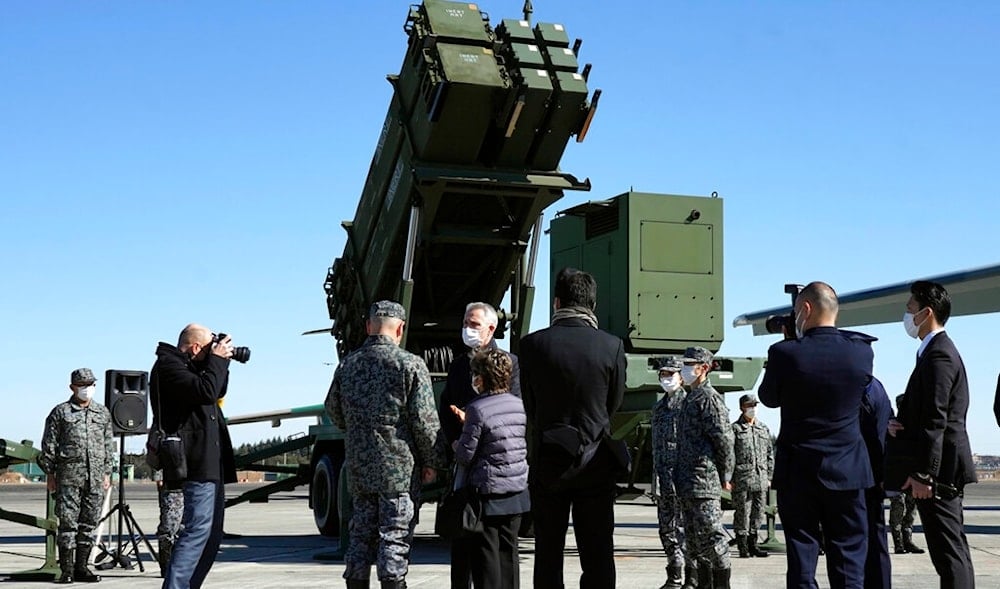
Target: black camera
784	325
240	353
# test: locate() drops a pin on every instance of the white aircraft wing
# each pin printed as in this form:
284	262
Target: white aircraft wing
972	292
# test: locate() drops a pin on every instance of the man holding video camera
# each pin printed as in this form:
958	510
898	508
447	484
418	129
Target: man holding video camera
186	384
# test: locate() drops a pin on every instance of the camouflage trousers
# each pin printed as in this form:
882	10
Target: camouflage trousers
706	540
668	513
78	508
381	531
902	509
749	520
171	514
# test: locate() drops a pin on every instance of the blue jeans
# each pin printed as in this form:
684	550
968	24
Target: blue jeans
200	537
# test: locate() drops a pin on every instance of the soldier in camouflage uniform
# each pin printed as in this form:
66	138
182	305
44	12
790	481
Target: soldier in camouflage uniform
754	467
171	500
77	455
381	398
664	421
902	509
704	467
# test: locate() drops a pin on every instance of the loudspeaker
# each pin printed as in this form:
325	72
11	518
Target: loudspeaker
126	395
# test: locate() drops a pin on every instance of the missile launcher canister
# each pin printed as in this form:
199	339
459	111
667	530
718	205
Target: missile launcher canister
467	160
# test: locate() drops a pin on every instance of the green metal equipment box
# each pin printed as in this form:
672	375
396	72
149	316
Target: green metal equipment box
658	263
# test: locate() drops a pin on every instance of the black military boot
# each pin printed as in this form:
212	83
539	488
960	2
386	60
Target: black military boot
357	583
704	575
66	556
674	577
80	571
741	545
690	577
164	547
720	578
908	544
753	549
397	584
897	542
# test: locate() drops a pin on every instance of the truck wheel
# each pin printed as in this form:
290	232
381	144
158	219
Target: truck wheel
323	493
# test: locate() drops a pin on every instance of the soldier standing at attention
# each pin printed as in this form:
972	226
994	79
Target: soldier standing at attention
668	509
704	467
77	454
754	467
902	510
381	398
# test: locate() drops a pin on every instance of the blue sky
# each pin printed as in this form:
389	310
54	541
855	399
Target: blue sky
162	163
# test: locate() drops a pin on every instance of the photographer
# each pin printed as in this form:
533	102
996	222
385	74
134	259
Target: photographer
187	382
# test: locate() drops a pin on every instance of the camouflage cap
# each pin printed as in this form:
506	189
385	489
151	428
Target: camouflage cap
697	355
748	399
669	363
82	376
387	309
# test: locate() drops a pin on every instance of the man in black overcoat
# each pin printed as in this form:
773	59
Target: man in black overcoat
572	381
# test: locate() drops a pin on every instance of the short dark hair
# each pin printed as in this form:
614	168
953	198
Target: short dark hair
576	288
494	367
933	295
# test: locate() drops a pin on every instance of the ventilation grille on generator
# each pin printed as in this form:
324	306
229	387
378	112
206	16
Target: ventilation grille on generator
601	221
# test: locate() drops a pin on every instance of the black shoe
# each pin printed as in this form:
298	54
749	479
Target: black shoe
358	583
80	571
753	549
720	578
66	561
741	545
908	544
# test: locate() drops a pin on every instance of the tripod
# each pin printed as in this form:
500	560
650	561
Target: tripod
126	545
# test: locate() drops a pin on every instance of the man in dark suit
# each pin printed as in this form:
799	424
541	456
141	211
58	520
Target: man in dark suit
876	411
573	381
821	465
931	421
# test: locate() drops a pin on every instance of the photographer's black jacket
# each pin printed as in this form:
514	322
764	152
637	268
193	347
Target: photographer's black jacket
189	407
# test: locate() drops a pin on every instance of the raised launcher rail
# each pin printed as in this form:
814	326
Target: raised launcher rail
466	162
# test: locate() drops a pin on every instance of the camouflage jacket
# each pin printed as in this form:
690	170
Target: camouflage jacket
381	398
704	444
754	455
666	412
77	446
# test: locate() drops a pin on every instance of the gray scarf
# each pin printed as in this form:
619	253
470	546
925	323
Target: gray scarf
575	313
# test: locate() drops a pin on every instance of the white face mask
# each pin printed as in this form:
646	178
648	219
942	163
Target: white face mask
688	374
912	329
470	336
750	412
799	327
85	393
670	384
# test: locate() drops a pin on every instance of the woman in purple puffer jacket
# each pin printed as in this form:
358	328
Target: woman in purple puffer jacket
494	453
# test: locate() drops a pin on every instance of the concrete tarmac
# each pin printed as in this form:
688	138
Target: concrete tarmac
274	544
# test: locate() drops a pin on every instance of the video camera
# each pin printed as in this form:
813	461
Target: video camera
785	324
240	353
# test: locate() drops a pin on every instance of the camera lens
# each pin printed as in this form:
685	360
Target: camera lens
241	354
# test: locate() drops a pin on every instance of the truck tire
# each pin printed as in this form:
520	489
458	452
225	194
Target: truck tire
323	492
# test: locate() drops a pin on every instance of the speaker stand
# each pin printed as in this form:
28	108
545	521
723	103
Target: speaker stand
127	544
